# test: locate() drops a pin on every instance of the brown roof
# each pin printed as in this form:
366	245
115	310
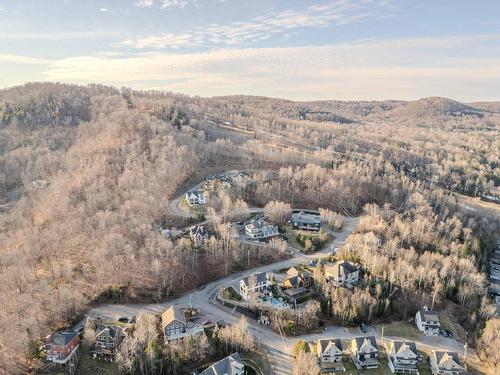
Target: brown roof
171	314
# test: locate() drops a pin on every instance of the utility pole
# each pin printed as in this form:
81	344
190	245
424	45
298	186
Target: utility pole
382	338
465	356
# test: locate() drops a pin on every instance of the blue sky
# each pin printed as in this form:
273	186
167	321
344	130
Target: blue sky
337	49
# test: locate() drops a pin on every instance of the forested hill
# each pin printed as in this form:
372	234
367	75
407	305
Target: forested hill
95	166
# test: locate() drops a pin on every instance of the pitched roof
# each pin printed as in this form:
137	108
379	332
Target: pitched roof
260	278
292	272
224	366
364	341
171	314
443	357
341	267
113	330
294	280
328	343
196	193
306	218
428	316
62	338
399	347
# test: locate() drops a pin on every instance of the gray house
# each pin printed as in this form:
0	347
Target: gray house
231	365
364	352
306	221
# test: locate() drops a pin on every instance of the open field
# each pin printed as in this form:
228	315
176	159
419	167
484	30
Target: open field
401	329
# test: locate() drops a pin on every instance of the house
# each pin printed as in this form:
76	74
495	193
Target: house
402	357
231	365
257	282
344	273
330	354
373	240
428	322
198	234
364	352
106	340
446	363
195	198
296	282
242	179
260	229
306	221
61	346
175	326
215	182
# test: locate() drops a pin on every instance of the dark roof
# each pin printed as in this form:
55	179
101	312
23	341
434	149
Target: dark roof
400	346
113	331
341	267
443	355
361	340
325	342
224	366
260	277
302	217
62	338
171	314
427	316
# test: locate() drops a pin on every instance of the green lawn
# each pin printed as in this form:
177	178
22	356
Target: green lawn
230	293
400	329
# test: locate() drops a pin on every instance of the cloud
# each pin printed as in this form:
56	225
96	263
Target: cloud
19	59
87	34
396	68
174	3
104	10
144	3
339	12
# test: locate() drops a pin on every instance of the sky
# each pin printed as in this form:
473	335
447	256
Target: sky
301	50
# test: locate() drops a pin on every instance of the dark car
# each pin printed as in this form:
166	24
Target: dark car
362	327
127	319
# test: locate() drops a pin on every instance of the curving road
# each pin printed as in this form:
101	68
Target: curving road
277	347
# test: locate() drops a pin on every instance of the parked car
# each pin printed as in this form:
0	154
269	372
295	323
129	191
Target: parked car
206	322
362	327
201	287
312	263
127	319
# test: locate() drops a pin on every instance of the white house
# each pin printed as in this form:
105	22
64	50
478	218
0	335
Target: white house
330	354
402	357
344	273
257	282
428	322
364	352
446	363
195	198
261	229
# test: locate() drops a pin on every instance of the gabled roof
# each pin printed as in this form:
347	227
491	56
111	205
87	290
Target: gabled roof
294	280
198	230
326	344
196	193
362	342
62	338
302	217
429	316
224	366
341	267
260	277
171	314
113	331
292	272
399	348
443	358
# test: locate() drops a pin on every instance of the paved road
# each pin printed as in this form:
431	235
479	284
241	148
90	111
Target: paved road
277	347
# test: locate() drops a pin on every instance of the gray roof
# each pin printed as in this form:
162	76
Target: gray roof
360	341
260	277
401	346
443	356
427	316
62	338
224	366
325	342
341	267
171	314
302	217
113	331
198	193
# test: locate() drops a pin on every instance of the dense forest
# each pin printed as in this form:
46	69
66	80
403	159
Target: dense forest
86	173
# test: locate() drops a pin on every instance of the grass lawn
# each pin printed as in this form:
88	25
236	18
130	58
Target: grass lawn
447	322
89	366
195	210
351	369
231	294
400	329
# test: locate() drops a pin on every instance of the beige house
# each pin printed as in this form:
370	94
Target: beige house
402	357
364	352
344	273
446	363
175	326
